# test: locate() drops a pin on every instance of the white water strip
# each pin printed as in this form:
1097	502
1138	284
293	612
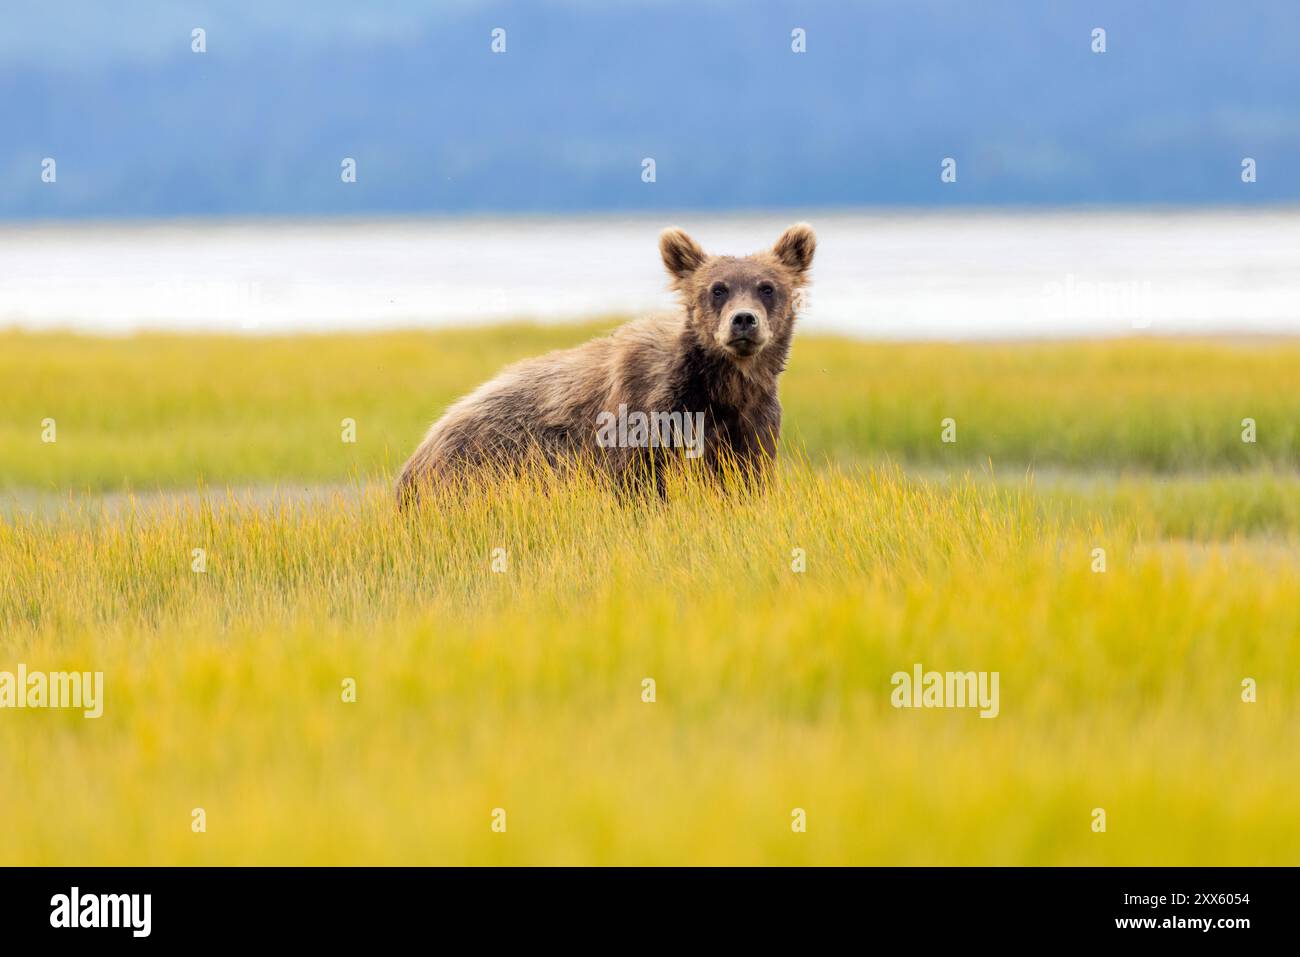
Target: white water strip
888	274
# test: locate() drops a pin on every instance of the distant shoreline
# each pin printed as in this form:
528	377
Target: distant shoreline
596	325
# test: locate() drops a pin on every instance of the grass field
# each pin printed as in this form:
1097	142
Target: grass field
521	687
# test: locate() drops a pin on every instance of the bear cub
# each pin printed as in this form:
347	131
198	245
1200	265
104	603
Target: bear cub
700	382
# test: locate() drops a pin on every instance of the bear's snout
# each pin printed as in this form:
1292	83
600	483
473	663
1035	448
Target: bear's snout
743	332
743	324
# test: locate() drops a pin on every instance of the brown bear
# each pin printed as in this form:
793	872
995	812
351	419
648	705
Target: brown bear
700	382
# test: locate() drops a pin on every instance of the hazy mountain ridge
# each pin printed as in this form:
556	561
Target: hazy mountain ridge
436	122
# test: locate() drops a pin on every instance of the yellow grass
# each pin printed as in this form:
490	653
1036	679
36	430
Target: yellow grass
522	689
166	411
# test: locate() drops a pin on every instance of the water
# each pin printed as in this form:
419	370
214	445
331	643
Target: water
889	275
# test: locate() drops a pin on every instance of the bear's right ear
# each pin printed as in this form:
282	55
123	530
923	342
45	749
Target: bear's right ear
682	255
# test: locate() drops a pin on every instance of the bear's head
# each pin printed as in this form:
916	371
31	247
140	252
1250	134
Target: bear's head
740	306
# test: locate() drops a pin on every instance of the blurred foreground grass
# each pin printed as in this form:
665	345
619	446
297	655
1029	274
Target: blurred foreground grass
522	689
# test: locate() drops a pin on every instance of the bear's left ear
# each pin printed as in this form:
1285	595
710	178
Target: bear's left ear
795	248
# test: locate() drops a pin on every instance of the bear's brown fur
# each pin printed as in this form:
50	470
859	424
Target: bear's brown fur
718	357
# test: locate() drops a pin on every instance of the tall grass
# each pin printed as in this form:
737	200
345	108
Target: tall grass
522	689
500	642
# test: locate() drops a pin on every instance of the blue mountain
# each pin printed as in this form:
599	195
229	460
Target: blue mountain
139	125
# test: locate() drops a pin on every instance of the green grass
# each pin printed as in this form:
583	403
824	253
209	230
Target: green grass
522	689
167	411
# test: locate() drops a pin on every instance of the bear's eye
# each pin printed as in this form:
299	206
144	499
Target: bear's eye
766	290
719	291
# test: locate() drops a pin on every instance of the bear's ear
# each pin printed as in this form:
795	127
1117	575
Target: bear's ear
682	255
796	246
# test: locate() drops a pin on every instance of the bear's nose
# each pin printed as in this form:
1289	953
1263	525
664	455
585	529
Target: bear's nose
743	323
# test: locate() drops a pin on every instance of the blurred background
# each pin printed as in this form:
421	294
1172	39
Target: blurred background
1095	193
